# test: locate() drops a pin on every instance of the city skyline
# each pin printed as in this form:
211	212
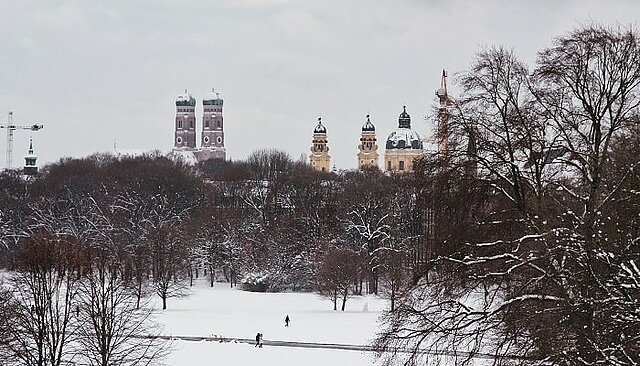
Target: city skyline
101	74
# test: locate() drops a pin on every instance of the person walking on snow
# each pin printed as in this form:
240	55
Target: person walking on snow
286	321
258	339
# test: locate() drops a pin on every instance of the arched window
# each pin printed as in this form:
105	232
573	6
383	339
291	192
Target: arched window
179	124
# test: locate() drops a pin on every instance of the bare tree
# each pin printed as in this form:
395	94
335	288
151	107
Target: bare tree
8	314
168	262
114	329
45	286
337	274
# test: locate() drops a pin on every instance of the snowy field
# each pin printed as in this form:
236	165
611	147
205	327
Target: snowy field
231	313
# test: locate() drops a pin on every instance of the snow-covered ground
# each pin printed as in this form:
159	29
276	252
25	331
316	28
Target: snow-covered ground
231	313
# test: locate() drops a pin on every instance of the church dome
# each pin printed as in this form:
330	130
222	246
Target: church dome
368	126
320	128
185	99
212	98
404	137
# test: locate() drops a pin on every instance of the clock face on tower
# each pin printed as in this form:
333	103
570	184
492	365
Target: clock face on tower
179	140
206	139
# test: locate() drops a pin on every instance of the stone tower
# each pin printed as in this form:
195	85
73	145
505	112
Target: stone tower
443	116
212	140
30	165
368	148
403	146
319	157
185	129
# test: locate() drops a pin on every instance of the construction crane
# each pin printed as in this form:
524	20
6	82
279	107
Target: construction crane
10	127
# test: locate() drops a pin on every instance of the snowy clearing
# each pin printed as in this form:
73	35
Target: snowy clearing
231	313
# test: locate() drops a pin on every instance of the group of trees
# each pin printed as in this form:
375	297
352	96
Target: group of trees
537	212
88	241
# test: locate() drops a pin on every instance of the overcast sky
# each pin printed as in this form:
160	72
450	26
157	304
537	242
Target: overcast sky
95	72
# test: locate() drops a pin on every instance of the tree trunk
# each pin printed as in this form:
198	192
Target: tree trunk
393	296
211	275
335	299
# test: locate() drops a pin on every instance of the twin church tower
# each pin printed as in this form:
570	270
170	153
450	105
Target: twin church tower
212	135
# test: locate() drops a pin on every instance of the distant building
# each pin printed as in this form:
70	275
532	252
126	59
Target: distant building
185	128
30	161
368	148
319	157
403	146
212	136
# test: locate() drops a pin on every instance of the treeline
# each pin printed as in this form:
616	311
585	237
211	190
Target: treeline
269	222
536	206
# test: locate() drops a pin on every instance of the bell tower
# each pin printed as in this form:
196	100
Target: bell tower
368	148
213	128
212	139
30	166
185	129
319	157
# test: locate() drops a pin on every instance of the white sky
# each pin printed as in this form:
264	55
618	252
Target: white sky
95	72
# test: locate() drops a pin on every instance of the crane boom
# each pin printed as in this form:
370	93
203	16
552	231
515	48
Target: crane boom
10	127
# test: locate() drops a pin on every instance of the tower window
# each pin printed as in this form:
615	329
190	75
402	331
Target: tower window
180	124
389	165
206	123
401	165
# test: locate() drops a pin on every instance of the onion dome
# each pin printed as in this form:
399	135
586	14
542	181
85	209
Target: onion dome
185	99
368	126
404	137
212	98
320	128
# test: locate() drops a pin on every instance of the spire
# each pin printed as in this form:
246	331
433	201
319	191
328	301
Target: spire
443	116
30	146
443	93
443	82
